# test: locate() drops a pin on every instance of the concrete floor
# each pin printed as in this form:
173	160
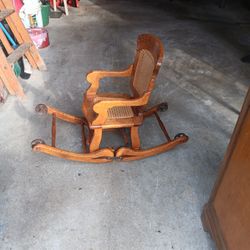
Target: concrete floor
155	203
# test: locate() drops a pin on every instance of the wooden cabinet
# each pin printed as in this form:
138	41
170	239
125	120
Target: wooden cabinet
226	216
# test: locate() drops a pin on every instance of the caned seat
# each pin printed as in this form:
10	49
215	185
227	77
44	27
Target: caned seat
122	117
118	116
120	113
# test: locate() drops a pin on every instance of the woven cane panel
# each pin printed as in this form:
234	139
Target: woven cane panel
120	112
144	71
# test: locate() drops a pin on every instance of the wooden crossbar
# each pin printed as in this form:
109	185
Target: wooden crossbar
162	126
53	143
5	13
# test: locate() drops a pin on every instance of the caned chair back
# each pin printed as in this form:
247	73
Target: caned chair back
147	63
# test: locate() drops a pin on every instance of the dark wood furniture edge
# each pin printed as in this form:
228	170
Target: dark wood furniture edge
208	217
232	142
211	225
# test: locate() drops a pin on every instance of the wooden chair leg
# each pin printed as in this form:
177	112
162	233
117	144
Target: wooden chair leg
95	140
135	139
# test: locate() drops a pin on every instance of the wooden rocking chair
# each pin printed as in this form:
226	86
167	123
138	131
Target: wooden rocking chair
116	111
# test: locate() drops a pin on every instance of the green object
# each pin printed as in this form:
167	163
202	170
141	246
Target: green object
17	69
45	9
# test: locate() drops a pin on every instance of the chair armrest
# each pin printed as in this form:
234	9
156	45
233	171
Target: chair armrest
102	107
94	77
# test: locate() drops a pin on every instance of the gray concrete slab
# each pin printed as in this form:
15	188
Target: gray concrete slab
155	203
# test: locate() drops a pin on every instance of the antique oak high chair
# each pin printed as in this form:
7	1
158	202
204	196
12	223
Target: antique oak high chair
104	111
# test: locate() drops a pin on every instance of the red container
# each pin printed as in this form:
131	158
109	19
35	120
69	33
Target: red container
40	37
18	4
73	3
58	3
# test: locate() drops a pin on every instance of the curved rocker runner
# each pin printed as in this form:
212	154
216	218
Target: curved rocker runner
104	111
